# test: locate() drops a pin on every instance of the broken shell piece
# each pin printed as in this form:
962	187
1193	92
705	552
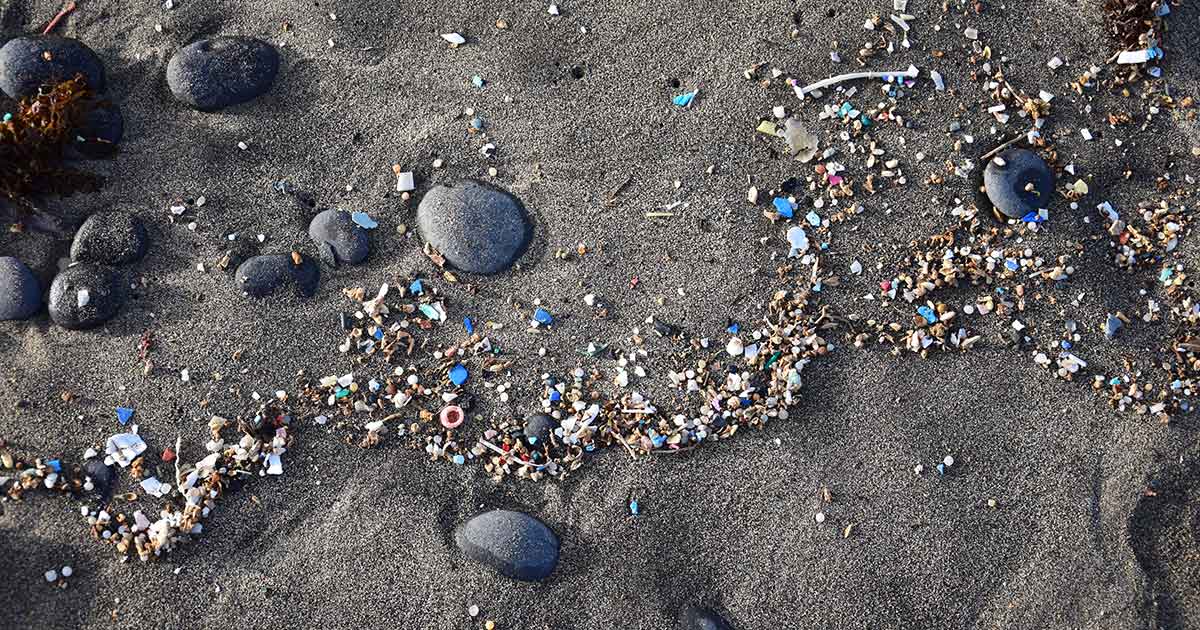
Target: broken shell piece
451	416
802	144
454	38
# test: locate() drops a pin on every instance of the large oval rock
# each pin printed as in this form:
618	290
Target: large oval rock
513	543
338	238
1018	182
20	291
219	72
27	63
85	296
261	276
478	228
110	238
694	618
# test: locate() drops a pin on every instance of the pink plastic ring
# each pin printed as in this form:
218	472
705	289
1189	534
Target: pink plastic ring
452	416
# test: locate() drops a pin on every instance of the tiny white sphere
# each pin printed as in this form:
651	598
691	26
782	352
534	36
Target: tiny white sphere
949	461
67	571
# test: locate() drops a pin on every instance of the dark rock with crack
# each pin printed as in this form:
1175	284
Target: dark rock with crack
219	72
339	239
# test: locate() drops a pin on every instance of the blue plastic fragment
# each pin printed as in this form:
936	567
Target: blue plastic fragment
1154	71
56	464
683	100
658	440
1116	380
468	325
543	317
364	220
1165	274
477	123
784	207
1066	345
416	288
845	109
124	414
813	219
928	314
8	117
555	396
633	507
459	459
378	334
1011	265
458	374
733	328
1033	217
941	468
477	81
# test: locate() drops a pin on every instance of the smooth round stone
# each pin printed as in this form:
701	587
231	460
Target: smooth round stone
694	618
1008	175
104	295
261	276
20	291
513	543
338	238
478	228
102	476
27	63
101	129
110	238
219	72
539	427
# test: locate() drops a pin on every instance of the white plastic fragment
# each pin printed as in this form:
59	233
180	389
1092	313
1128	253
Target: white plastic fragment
911	73
938	83
1133	57
454	38
123	448
404	182
798	239
83	298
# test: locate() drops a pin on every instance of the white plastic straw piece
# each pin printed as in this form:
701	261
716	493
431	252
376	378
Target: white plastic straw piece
911	73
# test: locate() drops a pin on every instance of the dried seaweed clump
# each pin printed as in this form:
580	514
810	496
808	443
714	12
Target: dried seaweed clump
1134	23
33	142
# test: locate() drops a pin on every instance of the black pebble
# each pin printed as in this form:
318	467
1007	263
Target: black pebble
105	296
20	291
693	618
539	427
260	276
1006	184
220	72
100	131
110	238
102	477
339	239
477	227
24	66
513	543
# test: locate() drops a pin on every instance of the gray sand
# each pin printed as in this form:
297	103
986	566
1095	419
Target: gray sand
354	538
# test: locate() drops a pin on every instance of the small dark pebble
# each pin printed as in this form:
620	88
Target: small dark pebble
664	329
339	239
105	296
477	227
100	131
110	238
220	72
260	276
27	63
694	618
513	543
102	477
1005	185
539	427
20	291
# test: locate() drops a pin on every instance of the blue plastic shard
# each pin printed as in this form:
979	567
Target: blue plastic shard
468	325
543	317
477	81
364	220
784	207
458	374
813	218
683	100
633	507
56	464
733	328
124	415
928	314
1033	217
416	288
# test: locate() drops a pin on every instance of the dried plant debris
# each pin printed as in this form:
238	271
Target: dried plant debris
1134	23
33	143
